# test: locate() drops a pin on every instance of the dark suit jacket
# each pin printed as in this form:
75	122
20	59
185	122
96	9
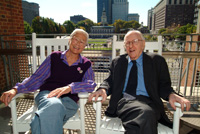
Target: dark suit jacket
156	78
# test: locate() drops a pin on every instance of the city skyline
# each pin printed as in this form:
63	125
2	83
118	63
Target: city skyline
61	10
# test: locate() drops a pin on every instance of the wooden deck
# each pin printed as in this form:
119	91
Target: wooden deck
192	117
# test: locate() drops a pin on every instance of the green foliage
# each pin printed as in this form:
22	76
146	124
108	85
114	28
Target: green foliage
27	28
82	28
150	37
43	25
37	25
162	30
186	29
169	33
118	24
69	26
121	24
61	29
87	24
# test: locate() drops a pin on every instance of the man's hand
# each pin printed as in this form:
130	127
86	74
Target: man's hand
101	92
59	91
176	98
7	96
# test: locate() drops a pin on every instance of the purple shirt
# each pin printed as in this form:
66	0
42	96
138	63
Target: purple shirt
33	82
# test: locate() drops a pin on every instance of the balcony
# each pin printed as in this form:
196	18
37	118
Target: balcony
182	56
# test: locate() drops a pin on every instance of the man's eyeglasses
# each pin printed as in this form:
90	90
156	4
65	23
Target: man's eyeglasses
135	42
77	40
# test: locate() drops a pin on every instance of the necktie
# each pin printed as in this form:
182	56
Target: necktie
132	80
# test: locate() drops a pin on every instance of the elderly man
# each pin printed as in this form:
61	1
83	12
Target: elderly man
60	77
136	83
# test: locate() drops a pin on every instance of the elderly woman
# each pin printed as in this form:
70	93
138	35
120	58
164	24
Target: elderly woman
60	77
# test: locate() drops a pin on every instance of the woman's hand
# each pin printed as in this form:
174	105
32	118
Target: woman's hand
59	91
7	96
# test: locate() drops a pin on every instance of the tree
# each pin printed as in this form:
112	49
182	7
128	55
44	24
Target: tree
69	26
62	29
87	24
127	24
43	25
51	26
162	30
121	24
37	25
82	27
118	24
136	24
186	29
27	28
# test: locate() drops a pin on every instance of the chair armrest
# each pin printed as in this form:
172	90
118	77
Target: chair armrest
98	99
176	118
14	99
17	96
97	106
83	96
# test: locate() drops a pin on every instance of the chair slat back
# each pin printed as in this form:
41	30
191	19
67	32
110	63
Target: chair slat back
154	47
46	47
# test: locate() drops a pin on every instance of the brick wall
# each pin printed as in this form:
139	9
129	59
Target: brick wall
193	49
11	23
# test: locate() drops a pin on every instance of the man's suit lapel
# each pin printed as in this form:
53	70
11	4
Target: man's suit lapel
122	71
148	71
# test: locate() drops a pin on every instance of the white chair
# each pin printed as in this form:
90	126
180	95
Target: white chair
22	123
154	47
108	125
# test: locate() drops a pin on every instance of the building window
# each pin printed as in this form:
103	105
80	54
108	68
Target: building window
186	2
180	2
170	2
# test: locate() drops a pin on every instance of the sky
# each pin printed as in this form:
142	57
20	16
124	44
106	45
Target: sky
61	10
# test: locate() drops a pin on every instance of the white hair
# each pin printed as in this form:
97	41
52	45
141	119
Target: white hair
80	31
136	31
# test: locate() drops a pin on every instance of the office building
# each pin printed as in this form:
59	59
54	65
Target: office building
101	31
196	12
120	10
149	17
133	16
30	11
76	18
115	10
108	9
172	12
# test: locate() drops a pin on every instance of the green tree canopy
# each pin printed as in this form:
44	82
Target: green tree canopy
37	25
87	24
186	29
121	24
69	26
43	25
162	30
118	24
27	28
171	32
